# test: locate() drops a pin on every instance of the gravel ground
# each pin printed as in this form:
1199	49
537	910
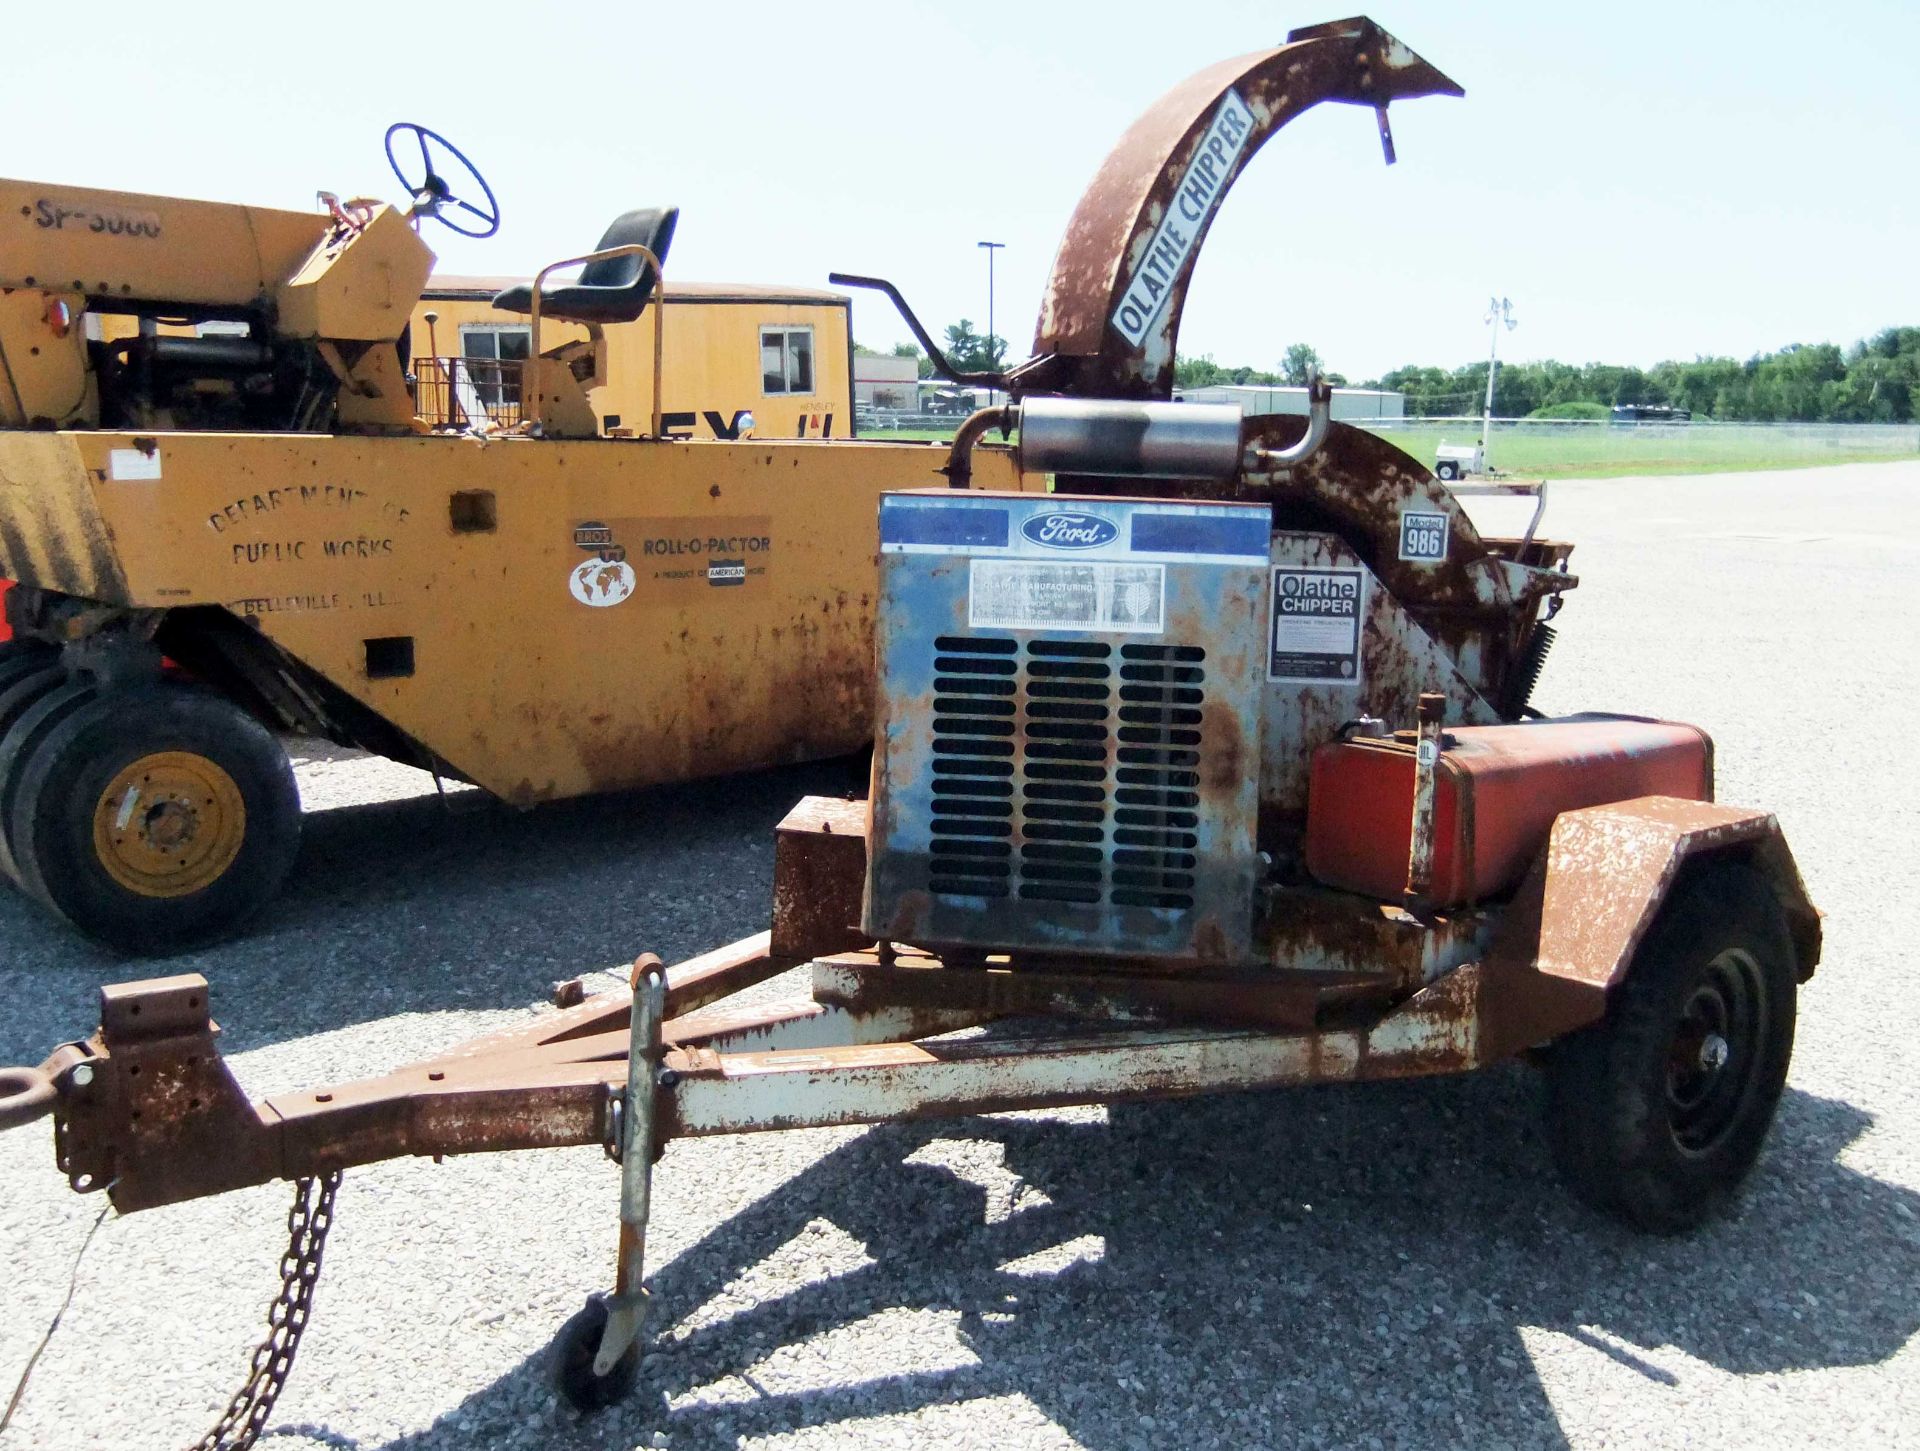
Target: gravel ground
1383	1266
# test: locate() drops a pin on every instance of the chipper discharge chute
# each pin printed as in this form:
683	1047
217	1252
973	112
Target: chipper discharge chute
1212	770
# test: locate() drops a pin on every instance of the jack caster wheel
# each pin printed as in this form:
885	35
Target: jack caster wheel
154	818
573	1351
1657	1113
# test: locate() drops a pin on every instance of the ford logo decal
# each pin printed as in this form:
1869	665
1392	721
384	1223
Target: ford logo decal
1070	531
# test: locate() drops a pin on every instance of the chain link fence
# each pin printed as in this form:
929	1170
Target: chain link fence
1574	447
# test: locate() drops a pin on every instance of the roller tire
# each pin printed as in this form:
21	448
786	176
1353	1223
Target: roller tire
29	709
1640	1126
22	658
572	1365
58	818
21	687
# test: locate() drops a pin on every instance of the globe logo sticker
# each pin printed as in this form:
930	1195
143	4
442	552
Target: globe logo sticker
601	582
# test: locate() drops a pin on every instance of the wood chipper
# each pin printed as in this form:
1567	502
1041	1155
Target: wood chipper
1211	770
230	515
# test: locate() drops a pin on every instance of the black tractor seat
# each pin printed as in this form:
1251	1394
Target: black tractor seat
615	290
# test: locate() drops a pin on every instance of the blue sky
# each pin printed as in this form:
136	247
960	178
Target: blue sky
1644	181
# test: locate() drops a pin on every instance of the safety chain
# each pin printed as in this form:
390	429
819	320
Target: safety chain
307	1225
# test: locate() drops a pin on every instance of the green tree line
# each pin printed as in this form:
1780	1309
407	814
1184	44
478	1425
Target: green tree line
1875	381
968	350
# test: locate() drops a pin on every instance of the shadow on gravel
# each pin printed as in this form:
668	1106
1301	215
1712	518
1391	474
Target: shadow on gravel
410	906
1309	1267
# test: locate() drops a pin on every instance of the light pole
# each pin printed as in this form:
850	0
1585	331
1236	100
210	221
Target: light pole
1499	310
991	247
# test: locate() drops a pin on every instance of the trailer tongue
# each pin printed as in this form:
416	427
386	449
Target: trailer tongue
1142	823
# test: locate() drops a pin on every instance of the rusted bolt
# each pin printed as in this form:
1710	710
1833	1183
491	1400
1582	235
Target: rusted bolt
82	1075
569	994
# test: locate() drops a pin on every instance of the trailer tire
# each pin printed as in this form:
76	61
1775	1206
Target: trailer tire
29	709
155	818
1657	1113
1448	470
573	1351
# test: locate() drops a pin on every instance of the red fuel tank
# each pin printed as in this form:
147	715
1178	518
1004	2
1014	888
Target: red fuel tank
1496	792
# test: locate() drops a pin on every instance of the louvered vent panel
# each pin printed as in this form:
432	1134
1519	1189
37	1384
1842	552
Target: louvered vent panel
1066	771
1157	775
975	690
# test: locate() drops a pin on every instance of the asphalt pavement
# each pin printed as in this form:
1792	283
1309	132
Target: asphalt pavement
1386	1266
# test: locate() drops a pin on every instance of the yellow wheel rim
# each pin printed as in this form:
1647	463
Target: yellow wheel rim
169	824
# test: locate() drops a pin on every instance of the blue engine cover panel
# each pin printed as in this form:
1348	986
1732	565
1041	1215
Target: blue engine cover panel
1067	752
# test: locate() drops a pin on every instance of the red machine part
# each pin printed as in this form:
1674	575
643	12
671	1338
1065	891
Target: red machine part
6	630
1497	792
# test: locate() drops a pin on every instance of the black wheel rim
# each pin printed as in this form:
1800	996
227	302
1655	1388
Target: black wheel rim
1713	1060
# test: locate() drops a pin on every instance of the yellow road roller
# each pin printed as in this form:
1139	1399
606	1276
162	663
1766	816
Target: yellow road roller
236	507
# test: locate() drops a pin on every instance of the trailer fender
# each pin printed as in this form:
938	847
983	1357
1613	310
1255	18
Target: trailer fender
1583	911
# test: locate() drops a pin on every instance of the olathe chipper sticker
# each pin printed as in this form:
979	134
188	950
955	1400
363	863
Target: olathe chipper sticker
1316	626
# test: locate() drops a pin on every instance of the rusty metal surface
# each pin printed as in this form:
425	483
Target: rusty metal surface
1436	1031
1173	166
148	1110
582	1033
819	872
1426	768
1311	929
1480	602
1480	606
1358	990
1576	922
1399	661
1061	776
861	984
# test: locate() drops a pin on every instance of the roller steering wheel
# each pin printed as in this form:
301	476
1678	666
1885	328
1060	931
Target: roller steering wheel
432	196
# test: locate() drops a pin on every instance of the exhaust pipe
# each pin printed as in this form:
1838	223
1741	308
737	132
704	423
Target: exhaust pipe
1319	422
1108	438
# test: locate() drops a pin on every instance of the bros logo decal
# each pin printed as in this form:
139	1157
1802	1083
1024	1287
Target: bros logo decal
605	578
1070	531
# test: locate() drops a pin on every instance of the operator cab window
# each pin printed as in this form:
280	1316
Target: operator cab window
786	360
509	343
494	387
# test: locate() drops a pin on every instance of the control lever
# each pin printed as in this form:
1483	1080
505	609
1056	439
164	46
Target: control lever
945	369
